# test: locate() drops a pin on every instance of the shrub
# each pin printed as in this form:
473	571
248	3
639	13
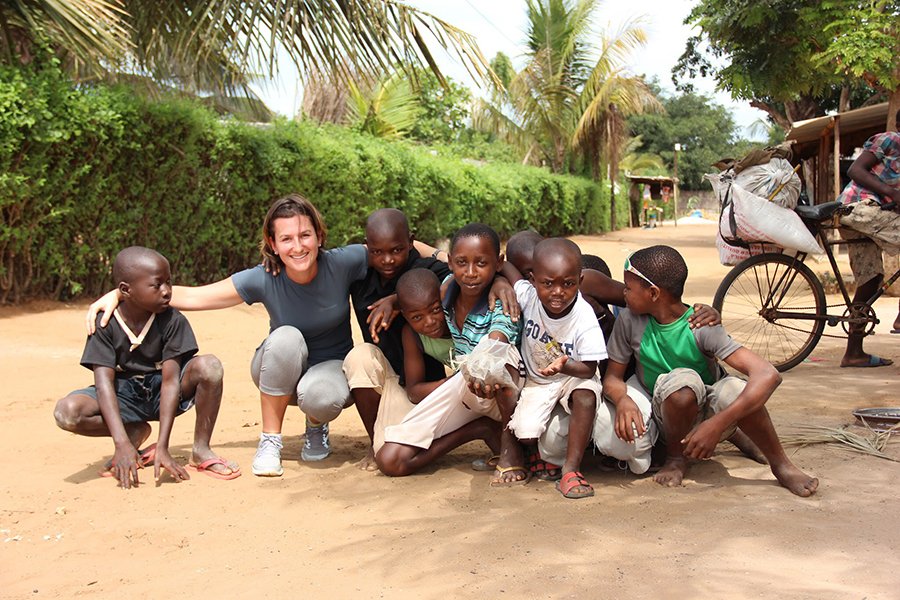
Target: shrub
85	171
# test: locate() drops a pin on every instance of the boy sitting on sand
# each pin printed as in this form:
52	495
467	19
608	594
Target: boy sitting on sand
145	369
694	403
424	336
562	343
457	412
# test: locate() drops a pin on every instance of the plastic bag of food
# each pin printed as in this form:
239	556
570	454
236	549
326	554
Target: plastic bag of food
487	363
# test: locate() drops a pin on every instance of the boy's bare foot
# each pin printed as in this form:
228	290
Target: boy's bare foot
743	443
795	480
672	472
368	462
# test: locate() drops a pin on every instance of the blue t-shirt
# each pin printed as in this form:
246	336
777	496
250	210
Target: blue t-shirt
320	309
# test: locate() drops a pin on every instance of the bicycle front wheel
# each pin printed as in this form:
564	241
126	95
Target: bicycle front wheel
769	304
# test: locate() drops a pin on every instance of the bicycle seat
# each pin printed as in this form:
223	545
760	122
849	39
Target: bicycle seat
819	212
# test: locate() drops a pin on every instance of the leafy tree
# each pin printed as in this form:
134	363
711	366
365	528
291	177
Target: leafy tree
445	109
793	59
705	130
389	108
567	106
865	44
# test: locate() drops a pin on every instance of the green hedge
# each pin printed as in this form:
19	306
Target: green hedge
87	171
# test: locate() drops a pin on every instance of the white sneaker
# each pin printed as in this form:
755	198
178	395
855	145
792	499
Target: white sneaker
267	462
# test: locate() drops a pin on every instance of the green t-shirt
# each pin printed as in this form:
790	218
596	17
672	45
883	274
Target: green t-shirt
440	349
660	348
670	346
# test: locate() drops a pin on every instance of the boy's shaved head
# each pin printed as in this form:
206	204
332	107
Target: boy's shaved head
477	230
664	266
556	249
522	243
386	222
130	262
417	285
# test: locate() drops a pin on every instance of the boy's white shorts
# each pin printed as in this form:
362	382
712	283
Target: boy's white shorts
536	402
552	444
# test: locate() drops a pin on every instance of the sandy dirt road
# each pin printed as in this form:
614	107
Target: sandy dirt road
329	530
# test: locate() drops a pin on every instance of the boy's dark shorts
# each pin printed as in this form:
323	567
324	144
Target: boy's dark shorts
139	397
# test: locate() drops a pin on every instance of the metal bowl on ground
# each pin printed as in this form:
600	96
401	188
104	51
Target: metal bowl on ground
879	419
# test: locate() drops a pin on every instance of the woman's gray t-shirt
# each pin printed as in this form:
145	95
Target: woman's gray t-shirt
320	309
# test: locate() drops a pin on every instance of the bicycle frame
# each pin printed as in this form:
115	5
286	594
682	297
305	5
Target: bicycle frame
831	320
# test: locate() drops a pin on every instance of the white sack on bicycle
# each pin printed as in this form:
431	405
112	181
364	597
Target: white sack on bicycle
775	180
487	363
758	220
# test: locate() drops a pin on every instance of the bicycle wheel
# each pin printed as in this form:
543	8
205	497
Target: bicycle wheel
753	298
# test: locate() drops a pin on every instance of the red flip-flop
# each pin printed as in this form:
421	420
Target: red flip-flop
218	460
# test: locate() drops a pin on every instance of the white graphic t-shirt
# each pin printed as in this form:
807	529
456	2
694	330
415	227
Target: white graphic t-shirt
545	339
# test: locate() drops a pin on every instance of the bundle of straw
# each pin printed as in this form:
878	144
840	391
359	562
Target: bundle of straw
871	442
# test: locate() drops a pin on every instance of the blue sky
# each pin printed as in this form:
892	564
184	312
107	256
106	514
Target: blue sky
498	26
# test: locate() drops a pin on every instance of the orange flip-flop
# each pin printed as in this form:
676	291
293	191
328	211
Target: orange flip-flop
206	464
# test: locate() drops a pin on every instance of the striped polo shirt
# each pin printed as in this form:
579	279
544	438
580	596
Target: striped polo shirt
479	322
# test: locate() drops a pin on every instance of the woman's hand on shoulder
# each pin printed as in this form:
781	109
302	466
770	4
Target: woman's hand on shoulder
105	304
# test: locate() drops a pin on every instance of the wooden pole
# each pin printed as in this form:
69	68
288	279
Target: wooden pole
675	187
837	157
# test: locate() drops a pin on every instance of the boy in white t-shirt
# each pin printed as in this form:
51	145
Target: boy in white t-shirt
561	347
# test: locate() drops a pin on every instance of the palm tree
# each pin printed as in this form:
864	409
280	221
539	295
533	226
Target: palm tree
387	109
199	45
568	104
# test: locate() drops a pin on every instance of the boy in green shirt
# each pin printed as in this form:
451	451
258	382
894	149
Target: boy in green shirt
694	403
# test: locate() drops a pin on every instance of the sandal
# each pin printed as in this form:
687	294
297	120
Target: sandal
569	484
486	464
500	471
545	471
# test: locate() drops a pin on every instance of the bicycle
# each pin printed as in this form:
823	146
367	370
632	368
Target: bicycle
775	305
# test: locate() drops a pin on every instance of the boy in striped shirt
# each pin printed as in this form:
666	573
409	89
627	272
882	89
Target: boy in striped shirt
458	412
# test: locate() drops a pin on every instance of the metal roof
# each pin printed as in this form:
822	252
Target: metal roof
856	126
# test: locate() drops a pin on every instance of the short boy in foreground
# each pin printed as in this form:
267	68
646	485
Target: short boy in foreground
562	343
694	402
146	376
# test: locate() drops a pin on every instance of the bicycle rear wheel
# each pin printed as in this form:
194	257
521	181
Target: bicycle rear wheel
753	299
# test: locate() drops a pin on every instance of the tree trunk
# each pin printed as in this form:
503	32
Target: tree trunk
805	107
844	102
893	107
773	113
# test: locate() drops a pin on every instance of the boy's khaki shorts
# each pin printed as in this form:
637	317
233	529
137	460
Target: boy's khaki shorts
536	402
711	399
880	227
366	367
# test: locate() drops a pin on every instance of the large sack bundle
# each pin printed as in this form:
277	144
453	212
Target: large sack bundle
746	217
775	180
